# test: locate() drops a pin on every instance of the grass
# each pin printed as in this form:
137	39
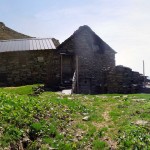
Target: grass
53	120
22	90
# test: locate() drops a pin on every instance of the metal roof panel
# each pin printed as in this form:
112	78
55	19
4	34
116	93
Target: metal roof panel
41	44
45	44
26	44
38	45
48	43
34	44
50	40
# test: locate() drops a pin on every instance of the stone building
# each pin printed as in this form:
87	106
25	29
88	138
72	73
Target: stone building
88	63
83	62
84	58
28	61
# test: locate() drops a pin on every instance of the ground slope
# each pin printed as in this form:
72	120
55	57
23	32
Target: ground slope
33	120
7	33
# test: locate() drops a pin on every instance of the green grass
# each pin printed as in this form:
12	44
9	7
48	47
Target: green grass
53	120
22	90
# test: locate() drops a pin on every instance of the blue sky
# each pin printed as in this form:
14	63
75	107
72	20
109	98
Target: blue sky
123	24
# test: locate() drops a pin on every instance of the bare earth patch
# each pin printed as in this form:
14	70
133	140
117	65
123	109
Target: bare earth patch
106	123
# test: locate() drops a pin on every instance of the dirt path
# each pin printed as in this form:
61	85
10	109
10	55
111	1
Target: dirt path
106	115
107	123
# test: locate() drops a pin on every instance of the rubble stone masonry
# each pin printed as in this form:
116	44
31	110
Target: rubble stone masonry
29	67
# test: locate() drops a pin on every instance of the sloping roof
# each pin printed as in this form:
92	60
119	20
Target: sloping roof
84	34
26	44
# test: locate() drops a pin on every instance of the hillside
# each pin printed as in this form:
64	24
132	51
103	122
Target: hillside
48	120
7	33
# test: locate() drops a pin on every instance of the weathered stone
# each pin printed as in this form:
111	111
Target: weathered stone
123	80
86	118
141	122
18	72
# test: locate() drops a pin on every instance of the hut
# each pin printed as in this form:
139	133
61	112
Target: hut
84	58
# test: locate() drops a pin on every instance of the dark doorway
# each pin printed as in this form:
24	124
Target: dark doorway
67	68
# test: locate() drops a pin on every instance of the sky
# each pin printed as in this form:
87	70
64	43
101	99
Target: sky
122	24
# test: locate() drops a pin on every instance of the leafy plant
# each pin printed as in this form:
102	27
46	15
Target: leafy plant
53	120
134	137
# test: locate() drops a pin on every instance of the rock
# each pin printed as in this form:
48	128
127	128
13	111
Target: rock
116	97
25	142
77	135
138	100
141	122
125	96
86	118
85	114
67	92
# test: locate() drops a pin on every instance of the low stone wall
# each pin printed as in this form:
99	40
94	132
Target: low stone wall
122	80
29	67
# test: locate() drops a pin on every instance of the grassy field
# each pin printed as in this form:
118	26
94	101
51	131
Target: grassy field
51	120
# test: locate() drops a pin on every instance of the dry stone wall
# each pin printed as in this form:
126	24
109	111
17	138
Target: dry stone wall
123	80
91	70
29	67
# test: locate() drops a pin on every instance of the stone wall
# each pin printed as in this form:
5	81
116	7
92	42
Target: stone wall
90	71
122	80
29	67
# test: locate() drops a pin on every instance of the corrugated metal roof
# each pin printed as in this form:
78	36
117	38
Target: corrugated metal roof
26	44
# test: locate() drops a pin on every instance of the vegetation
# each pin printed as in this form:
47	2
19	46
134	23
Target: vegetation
51	120
7	33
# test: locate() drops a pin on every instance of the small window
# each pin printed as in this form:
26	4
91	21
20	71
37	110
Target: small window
40	59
